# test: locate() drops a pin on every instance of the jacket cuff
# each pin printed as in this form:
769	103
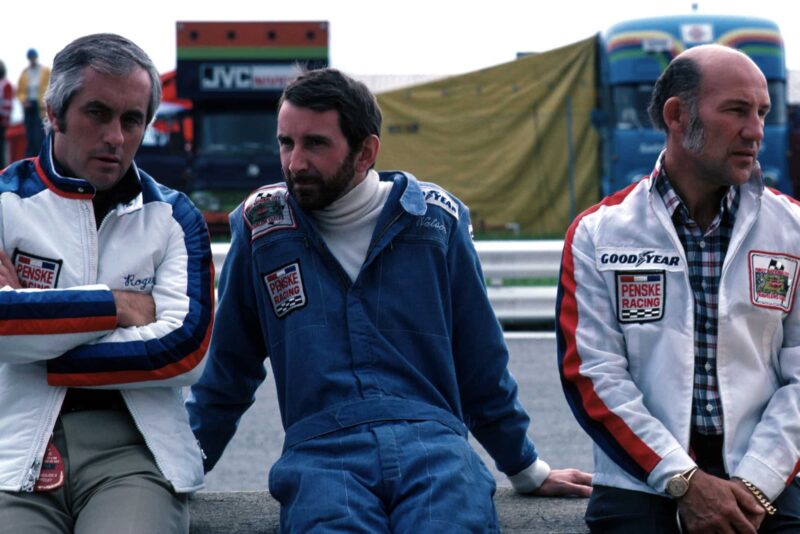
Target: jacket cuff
531	478
676	462
761	476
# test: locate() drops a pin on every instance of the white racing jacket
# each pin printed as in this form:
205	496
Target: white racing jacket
61	332
625	317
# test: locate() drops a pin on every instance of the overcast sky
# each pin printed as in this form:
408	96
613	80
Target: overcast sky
367	37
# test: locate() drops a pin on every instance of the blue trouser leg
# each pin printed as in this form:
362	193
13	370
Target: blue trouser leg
404	477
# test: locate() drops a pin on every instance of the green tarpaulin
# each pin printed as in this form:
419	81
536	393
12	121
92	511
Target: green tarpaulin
514	142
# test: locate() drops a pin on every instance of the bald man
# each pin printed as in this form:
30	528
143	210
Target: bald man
679	341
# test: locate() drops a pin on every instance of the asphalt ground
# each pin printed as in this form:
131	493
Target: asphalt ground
558	438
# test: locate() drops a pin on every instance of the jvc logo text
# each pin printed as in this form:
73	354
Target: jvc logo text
226	77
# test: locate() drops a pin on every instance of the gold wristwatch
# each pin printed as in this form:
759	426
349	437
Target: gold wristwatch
679	484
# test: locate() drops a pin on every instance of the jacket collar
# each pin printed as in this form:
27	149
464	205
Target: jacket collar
412	200
66	186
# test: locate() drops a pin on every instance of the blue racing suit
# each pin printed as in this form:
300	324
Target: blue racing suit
414	338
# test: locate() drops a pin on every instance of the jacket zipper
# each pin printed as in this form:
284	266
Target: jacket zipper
41	444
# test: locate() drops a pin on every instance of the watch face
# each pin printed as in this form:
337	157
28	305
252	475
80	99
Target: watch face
677	486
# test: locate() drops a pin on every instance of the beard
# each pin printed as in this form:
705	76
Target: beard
313	191
711	171
695	138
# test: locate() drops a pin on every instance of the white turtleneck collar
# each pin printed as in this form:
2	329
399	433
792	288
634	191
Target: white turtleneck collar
347	224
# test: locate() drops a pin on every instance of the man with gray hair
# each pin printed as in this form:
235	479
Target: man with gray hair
678	337
107	297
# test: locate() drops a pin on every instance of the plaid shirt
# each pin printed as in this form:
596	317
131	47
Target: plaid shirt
705	253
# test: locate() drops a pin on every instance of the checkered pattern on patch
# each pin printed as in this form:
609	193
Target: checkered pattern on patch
705	253
641	314
288	304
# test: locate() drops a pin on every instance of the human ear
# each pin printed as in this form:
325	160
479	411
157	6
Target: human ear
368	153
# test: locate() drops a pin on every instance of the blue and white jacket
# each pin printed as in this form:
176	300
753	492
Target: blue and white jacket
413	338
626	339
61	331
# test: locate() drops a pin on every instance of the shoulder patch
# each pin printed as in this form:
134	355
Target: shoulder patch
439	197
267	210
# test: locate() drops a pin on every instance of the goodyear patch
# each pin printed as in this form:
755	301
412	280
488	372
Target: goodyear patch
640	296
773	278
285	288
635	259
438	197
267	210
36	271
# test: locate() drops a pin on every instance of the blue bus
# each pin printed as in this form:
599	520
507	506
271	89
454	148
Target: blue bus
633	54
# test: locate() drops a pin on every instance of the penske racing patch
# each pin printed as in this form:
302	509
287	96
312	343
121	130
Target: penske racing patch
285	288
36	271
773	278
640	296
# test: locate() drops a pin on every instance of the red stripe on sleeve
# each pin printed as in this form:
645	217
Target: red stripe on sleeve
595	408
794	473
186	364
73	325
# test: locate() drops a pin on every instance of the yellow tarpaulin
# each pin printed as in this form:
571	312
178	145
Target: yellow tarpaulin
514	142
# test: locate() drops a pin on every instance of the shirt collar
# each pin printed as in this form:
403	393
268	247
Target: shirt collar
672	199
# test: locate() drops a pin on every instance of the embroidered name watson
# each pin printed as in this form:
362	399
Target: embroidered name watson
613	259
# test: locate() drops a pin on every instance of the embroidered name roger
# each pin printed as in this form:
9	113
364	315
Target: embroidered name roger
286	290
640	296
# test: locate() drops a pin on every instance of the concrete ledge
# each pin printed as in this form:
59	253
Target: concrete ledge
256	512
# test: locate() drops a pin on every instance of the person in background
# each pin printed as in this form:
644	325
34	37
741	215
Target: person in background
678	330
6	101
30	92
106	310
365	291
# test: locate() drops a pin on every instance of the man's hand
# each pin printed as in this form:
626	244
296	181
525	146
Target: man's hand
134	308
565	483
716	505
8	274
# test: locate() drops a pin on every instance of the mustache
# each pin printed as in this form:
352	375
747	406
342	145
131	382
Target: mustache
301	177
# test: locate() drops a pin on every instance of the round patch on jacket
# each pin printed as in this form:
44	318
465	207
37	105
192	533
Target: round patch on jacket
640	296
51	475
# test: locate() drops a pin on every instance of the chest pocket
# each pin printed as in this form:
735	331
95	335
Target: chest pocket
288	279
413	290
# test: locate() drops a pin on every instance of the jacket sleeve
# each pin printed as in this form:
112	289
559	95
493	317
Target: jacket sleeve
772	460
42	324
594	371
492	411
170	351
235	366
38	325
